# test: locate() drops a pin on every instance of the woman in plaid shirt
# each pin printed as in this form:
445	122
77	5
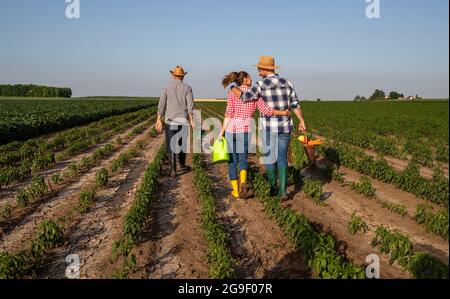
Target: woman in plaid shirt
236	127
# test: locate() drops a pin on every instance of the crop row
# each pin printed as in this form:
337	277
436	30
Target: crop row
399	247
17	151
436	223
396	129
219	255
435	190
317	248
135	220
25	263
23	119
38	154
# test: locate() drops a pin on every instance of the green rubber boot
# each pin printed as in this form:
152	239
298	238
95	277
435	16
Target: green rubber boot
283	178
272	176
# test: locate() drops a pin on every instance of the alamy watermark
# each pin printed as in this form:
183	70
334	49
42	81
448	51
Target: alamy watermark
373	269
73	9
373	9
73	269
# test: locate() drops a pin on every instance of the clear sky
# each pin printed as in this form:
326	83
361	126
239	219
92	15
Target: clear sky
329	49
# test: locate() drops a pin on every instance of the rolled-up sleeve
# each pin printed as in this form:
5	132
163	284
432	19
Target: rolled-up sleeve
229	112
162	102
190	100
253	94
263	108
293	98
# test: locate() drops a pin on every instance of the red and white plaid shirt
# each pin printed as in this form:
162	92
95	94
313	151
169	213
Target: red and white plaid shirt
241	112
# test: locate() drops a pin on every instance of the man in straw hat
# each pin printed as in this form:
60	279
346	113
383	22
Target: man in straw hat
176	105
279	94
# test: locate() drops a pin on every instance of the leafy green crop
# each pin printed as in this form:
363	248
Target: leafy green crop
399	247
299	157
102	177
396	208
6	210
34	191
219	256
436	223
356	224
364	187
313	189
318	248
86	200
135	219
25	263
18	159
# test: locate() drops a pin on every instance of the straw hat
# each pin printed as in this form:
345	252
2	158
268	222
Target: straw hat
267	63
178	71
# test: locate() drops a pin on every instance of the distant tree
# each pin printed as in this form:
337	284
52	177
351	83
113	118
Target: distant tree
378	94
32	90
393	95
318	100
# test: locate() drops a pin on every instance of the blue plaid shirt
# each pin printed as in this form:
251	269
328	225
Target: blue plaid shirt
279	94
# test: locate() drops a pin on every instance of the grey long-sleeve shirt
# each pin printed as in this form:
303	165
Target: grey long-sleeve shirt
176	102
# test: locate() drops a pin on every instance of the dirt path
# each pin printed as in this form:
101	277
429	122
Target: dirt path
173	246
57	206
92	235
258	244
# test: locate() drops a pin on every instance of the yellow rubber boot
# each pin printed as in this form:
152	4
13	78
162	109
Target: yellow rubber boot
234	185
243	190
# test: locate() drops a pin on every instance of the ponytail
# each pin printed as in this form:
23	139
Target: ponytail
234	77
230	78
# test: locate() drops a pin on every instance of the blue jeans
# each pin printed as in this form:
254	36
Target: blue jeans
275	149
238	149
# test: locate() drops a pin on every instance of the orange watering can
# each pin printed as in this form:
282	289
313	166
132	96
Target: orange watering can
310	146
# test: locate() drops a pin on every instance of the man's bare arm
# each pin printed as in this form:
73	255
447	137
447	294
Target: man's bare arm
298	112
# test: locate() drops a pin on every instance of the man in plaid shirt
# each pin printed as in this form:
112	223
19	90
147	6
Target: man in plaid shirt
278	93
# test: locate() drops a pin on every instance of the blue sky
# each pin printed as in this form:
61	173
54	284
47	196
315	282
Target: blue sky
327	48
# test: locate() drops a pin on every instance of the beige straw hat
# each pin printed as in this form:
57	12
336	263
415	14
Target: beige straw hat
178	71
267	63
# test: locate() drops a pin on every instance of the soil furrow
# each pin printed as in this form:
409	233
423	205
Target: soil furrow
173	246
92	235
7	194
258	244
58	205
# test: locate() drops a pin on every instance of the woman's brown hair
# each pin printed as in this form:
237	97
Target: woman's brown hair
234	77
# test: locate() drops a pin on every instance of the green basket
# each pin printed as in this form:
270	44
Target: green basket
220	151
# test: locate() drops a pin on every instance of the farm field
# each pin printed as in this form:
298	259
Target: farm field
99	194
380	184
22	118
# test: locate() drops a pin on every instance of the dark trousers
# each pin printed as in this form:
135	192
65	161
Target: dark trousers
176	144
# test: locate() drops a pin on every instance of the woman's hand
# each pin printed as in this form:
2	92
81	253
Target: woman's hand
287	113
237	92
221	134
